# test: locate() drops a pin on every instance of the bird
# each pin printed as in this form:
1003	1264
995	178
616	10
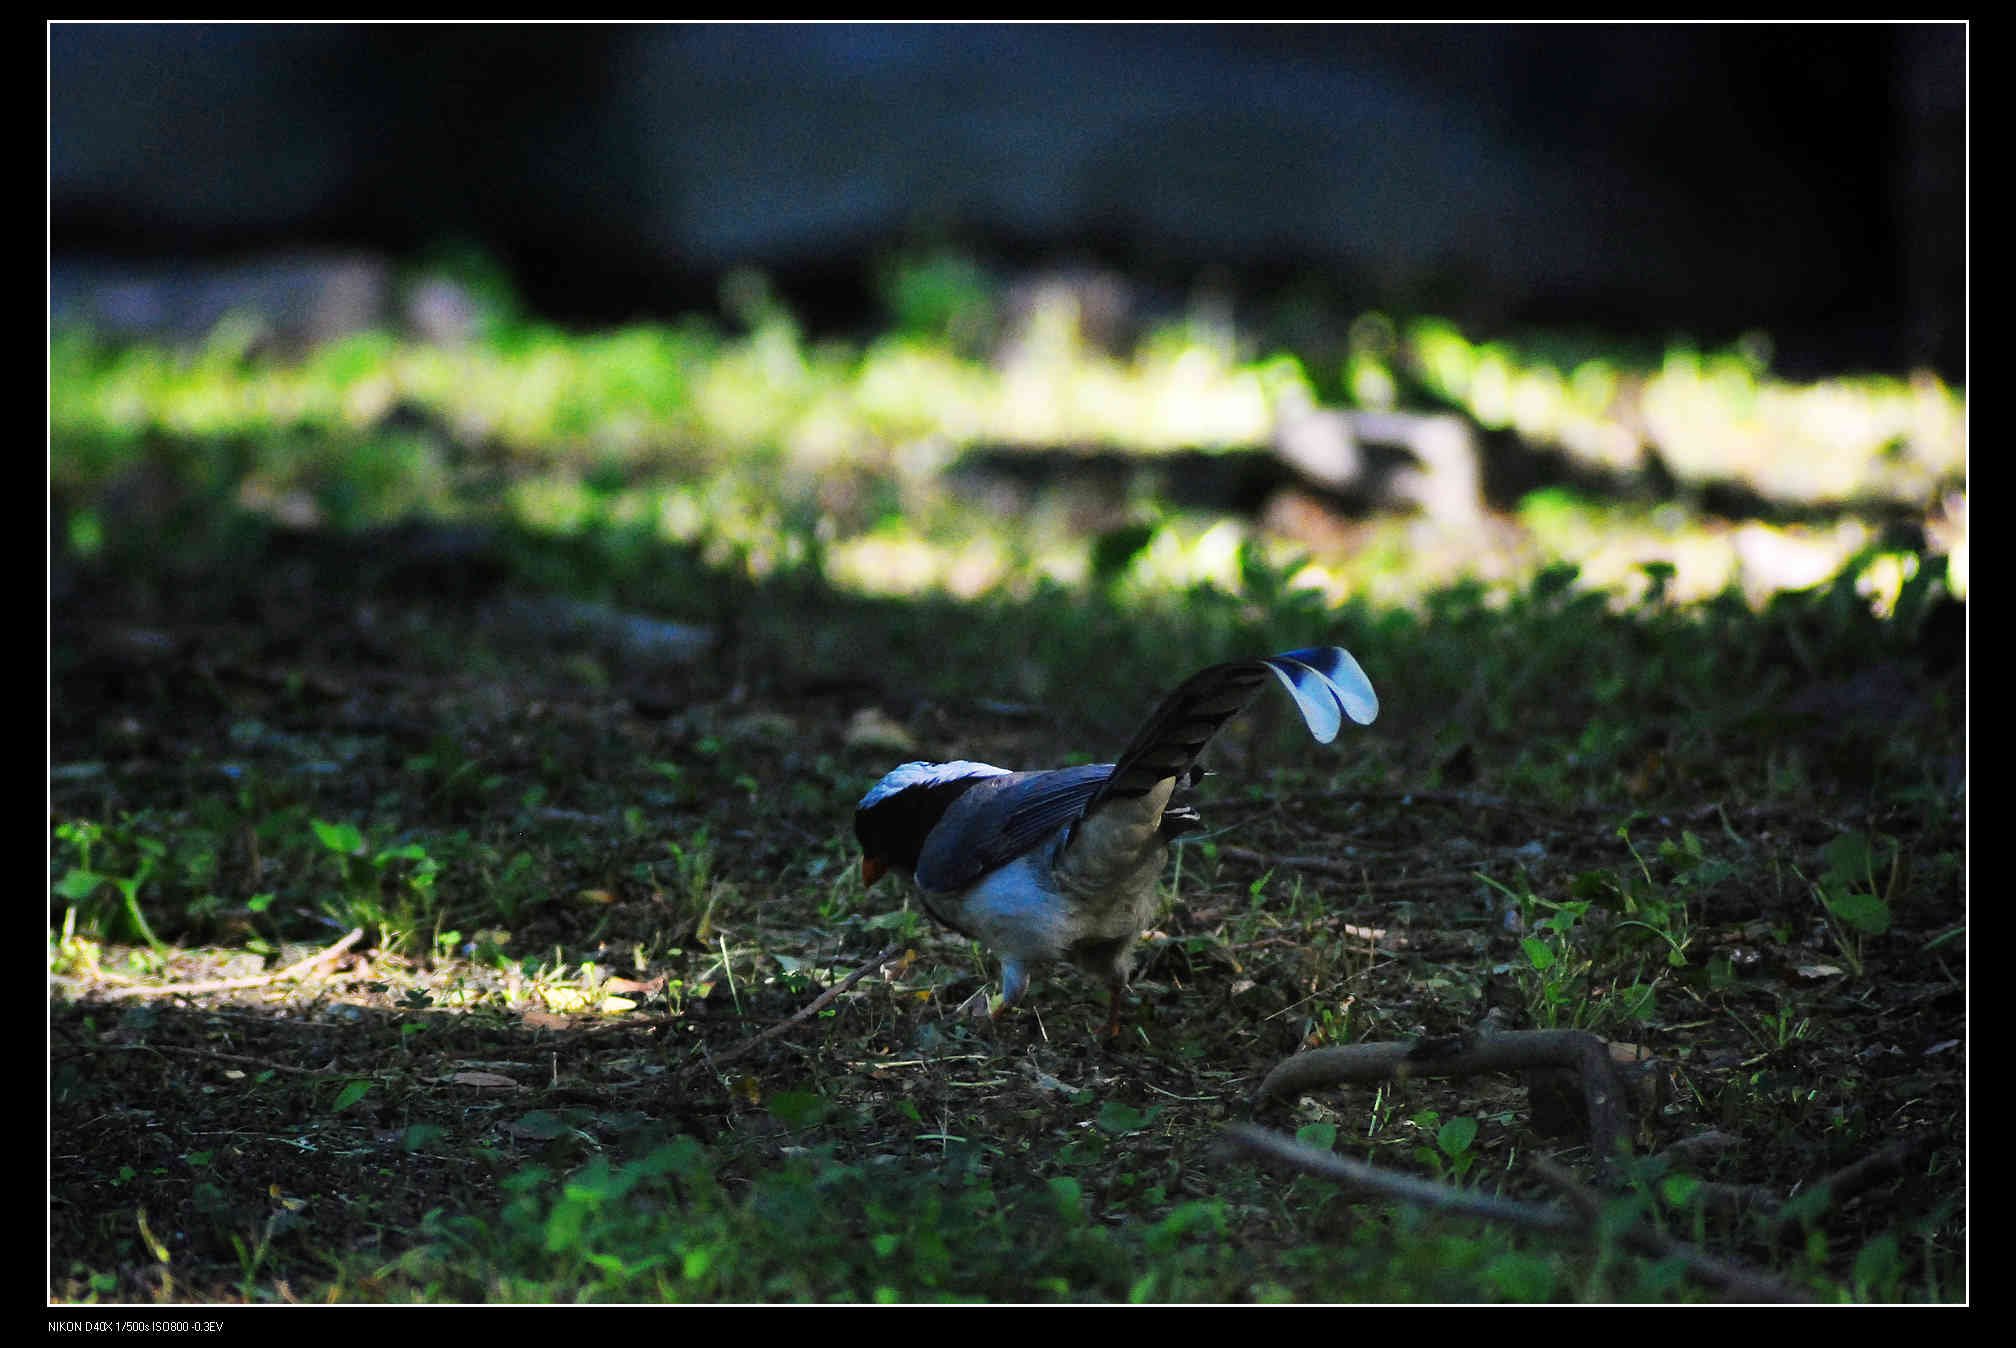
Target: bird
1062	865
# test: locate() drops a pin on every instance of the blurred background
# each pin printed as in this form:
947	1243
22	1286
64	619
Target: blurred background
1804	179
959	307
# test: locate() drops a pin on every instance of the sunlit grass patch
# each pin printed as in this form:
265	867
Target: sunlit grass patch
673	400
649	389
770	450
1710	416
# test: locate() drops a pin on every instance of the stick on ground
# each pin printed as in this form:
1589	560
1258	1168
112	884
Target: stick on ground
298	969
1603	1088
814	1007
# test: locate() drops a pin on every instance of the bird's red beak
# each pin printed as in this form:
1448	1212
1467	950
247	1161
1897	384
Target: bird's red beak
872	869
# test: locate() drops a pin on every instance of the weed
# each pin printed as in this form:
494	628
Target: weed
389	889
1846	891
1452	1154
80	883
695	890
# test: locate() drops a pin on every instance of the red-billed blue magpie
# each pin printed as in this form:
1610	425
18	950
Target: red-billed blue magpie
1062	865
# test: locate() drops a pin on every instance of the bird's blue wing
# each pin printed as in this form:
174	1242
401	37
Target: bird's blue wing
1001	818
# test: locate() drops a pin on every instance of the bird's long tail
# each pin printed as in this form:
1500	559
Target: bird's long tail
1325	682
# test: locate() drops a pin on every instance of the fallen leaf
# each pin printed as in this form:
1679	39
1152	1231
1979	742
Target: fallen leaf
632	985
488	1081
546	1020
564	999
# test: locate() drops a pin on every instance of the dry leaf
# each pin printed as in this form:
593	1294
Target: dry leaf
487	1081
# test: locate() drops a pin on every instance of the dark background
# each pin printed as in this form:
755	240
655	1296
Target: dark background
1806	180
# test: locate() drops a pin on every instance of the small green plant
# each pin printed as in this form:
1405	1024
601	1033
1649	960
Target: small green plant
1330	1025
693	878
82	884
1553	973
517	886
1847	895
1597	958
1777	1030
1451	1156
390	888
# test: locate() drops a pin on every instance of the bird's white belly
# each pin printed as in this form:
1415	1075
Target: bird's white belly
1012	912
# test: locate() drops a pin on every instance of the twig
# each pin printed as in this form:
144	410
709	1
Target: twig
216	1056
1603	1087
1718	1195
1742	1283
1401	1188
1320	865
812	1008
294	970
1690	1150
1871	1170
1843	1184
1582	1219
1478	800
1364	872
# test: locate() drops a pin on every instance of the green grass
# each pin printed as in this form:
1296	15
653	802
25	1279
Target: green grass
765	448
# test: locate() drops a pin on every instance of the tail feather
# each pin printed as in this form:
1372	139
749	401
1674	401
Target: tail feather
1325	682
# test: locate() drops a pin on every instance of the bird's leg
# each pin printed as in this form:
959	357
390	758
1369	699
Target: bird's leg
1116	988
1014	982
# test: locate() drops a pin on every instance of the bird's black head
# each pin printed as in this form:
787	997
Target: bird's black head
897	815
